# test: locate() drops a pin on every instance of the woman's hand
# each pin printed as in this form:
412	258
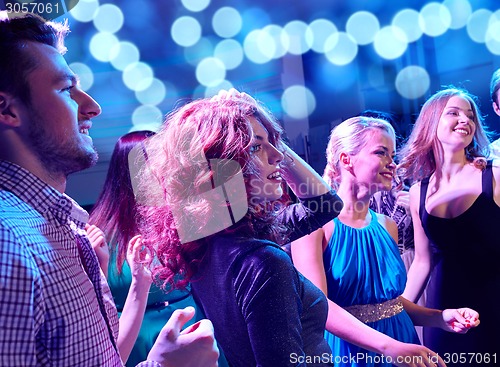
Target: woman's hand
413	355
460	320
98	241
137	256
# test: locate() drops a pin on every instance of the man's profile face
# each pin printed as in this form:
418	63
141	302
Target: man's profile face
58	115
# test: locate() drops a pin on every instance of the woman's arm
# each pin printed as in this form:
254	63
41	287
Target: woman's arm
307	255
344	325
453	320
137	297
304	181
419	271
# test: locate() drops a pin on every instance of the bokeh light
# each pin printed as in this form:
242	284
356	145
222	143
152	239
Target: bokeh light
230	53
152	95
321	29
138	76
108	18
101	45
408	21
300	37
84	73
298	102
460	11
259	46
210	72
146	117
195	5
279	39
435	19
341	48
186	31
492	38
412	82
122	54
227	22
390	42
363	26
85	10
477	25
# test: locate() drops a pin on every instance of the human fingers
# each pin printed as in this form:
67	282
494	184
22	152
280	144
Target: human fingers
203	326
433	359
403	199
456	321
201	338
176	322
440	361
96	236
134	244
471	316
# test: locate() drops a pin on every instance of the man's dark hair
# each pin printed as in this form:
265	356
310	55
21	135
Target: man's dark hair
495	85
15	61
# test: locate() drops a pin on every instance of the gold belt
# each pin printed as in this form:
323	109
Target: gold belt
376	311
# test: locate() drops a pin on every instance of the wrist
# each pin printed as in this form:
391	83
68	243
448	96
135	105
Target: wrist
141	282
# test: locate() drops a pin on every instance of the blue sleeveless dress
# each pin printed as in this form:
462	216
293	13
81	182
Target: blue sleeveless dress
363	266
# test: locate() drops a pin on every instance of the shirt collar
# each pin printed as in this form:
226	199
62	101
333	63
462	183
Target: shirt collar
36	193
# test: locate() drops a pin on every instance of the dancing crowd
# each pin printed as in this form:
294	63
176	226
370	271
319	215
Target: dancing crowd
213	243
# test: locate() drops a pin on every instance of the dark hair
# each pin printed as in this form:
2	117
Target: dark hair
116	208
16	62
390	118
495	85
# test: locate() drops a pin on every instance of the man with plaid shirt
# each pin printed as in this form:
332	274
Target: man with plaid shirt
55	306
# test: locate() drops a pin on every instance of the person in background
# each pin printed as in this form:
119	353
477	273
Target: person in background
355	261
114	235
454	205
219	165
55	306
495	104
134	306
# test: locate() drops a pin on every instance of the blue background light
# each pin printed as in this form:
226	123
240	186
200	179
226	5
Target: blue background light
313	63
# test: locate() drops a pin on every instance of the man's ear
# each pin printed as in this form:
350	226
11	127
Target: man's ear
496	108
8	111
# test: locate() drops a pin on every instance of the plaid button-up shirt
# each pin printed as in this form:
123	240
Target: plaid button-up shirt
55	306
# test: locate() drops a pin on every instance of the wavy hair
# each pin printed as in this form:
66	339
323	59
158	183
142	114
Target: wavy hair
191	136
115	211
419	155
350	136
